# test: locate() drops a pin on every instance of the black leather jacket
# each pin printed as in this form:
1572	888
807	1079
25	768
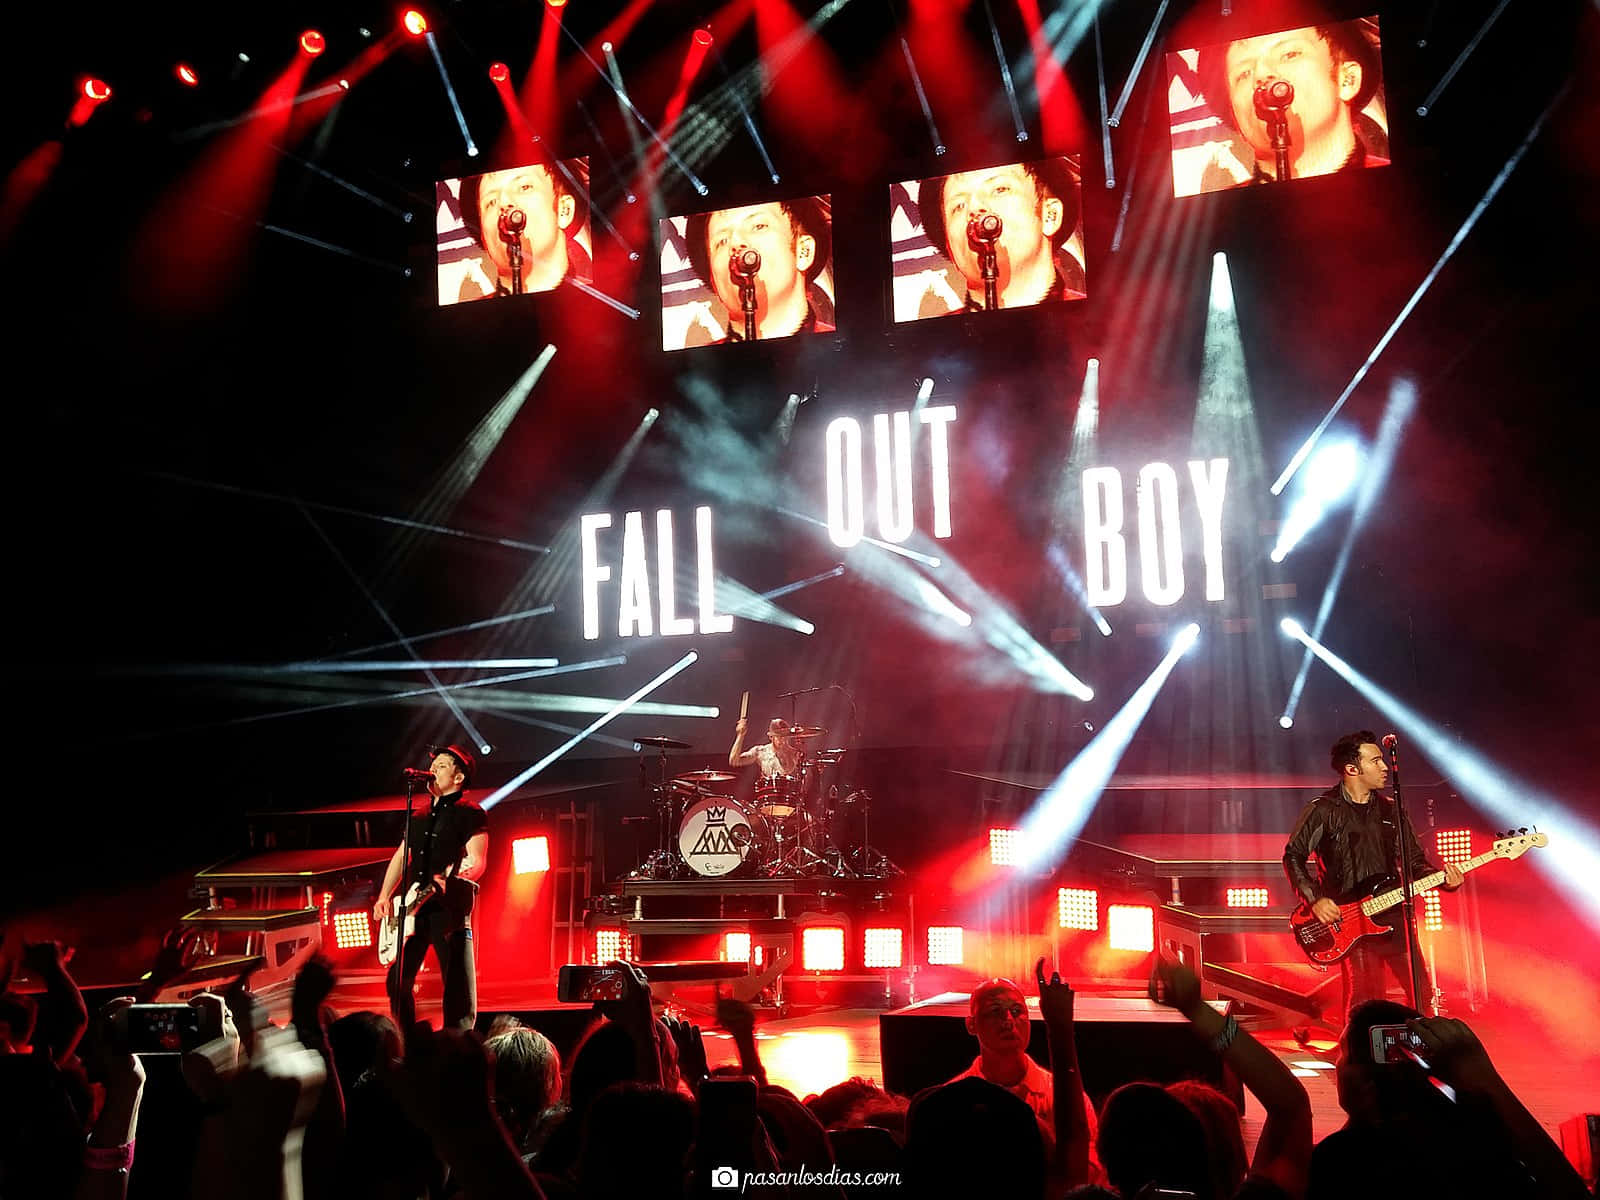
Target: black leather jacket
1355	843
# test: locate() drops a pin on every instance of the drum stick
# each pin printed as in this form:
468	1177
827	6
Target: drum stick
744	706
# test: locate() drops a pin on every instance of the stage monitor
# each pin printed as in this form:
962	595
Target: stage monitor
1292	103
755	272
520	230
1007	236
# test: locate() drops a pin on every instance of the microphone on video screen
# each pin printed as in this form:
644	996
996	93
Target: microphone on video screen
983	230
744	264
512	222
418	774
1273	96
1390	741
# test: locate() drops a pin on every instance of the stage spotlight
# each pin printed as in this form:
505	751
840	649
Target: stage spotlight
605	47
1077	908
344	85
415	23
95	90
822	948
612	945
736	946
1286	721
1002	847
499	72
1294	629
944	946
530	855
702	38
1187	637
186	75
312	42
1453	845
352	929
1131	927
556	3
882	948
1247	897
1432	912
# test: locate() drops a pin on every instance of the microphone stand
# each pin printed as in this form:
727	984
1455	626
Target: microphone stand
983	235
743	266
405	886
512	222
1278	131
1402	824
1272	101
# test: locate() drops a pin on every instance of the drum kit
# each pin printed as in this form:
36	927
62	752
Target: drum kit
792	827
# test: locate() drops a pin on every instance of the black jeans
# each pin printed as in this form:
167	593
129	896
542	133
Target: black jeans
1364	969
451	939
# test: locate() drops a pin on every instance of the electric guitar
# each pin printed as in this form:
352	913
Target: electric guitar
1328	942
390	934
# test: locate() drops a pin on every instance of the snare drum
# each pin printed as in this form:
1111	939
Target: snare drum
779	796
717	836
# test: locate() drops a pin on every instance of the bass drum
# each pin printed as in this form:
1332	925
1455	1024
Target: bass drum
718	836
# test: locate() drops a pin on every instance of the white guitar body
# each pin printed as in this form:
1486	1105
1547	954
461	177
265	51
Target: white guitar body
390	934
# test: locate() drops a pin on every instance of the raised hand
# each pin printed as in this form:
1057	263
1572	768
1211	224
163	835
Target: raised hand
1174	985
45	958
444	1084
1455	1053
692	1065
734	1015
312	987
1055	997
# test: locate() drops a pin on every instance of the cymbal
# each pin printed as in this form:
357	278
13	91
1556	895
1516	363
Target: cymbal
665	743
703	776
806	731
836	753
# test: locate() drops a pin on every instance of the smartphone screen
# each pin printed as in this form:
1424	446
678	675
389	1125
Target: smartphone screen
1390	1043
580	984
162	1028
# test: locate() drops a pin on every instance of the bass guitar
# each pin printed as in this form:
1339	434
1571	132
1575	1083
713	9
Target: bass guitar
1326	942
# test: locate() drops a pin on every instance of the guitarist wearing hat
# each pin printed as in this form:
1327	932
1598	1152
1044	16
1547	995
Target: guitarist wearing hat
449	847
1351	830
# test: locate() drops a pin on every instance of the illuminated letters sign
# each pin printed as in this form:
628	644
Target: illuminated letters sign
1105	545
635	614
891	440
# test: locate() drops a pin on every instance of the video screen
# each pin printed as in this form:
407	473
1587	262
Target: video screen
1009	236
1278	107
507	233
755	272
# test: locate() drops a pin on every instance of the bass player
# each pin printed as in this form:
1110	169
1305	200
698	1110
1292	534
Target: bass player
1351	829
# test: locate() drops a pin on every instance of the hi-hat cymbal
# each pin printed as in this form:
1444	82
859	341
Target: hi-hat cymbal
703	776
664	743
806	731
833	755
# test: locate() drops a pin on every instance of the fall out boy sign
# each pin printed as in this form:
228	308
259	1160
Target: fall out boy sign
1121	534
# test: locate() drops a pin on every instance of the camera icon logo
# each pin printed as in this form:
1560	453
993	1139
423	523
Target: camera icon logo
724	1177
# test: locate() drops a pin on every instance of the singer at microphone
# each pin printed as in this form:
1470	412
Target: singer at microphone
762	262
432	875
1298	99
525	221
1005	228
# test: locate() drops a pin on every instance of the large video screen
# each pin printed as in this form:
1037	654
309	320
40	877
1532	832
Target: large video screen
511	232
751	273
1290	104
1008	236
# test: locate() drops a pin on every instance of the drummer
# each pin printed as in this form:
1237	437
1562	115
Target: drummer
779	755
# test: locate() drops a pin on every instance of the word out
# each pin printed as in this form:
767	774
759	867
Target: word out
891	436
1160	531
635	614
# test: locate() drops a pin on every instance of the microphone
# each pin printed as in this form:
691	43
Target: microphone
983	230
512	223
418	774
744	264
1273	97
1390	741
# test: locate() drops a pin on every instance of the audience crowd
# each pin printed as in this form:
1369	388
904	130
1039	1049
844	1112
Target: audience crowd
351	1108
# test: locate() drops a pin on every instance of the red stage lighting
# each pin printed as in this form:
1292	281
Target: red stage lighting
186	75
1131	927
499	72
1002	847
612	945
702	38
415	23
736	946
530	854
822	948
1078	908
944	946
326	905
1247	897
556	3
313	43
882	948
1432	912
352	929
97	90
1455	845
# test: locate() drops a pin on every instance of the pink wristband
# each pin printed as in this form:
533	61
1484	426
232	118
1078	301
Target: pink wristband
108	1158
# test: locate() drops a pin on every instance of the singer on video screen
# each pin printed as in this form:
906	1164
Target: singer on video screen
528	227
1287	105
762	263
1008	230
